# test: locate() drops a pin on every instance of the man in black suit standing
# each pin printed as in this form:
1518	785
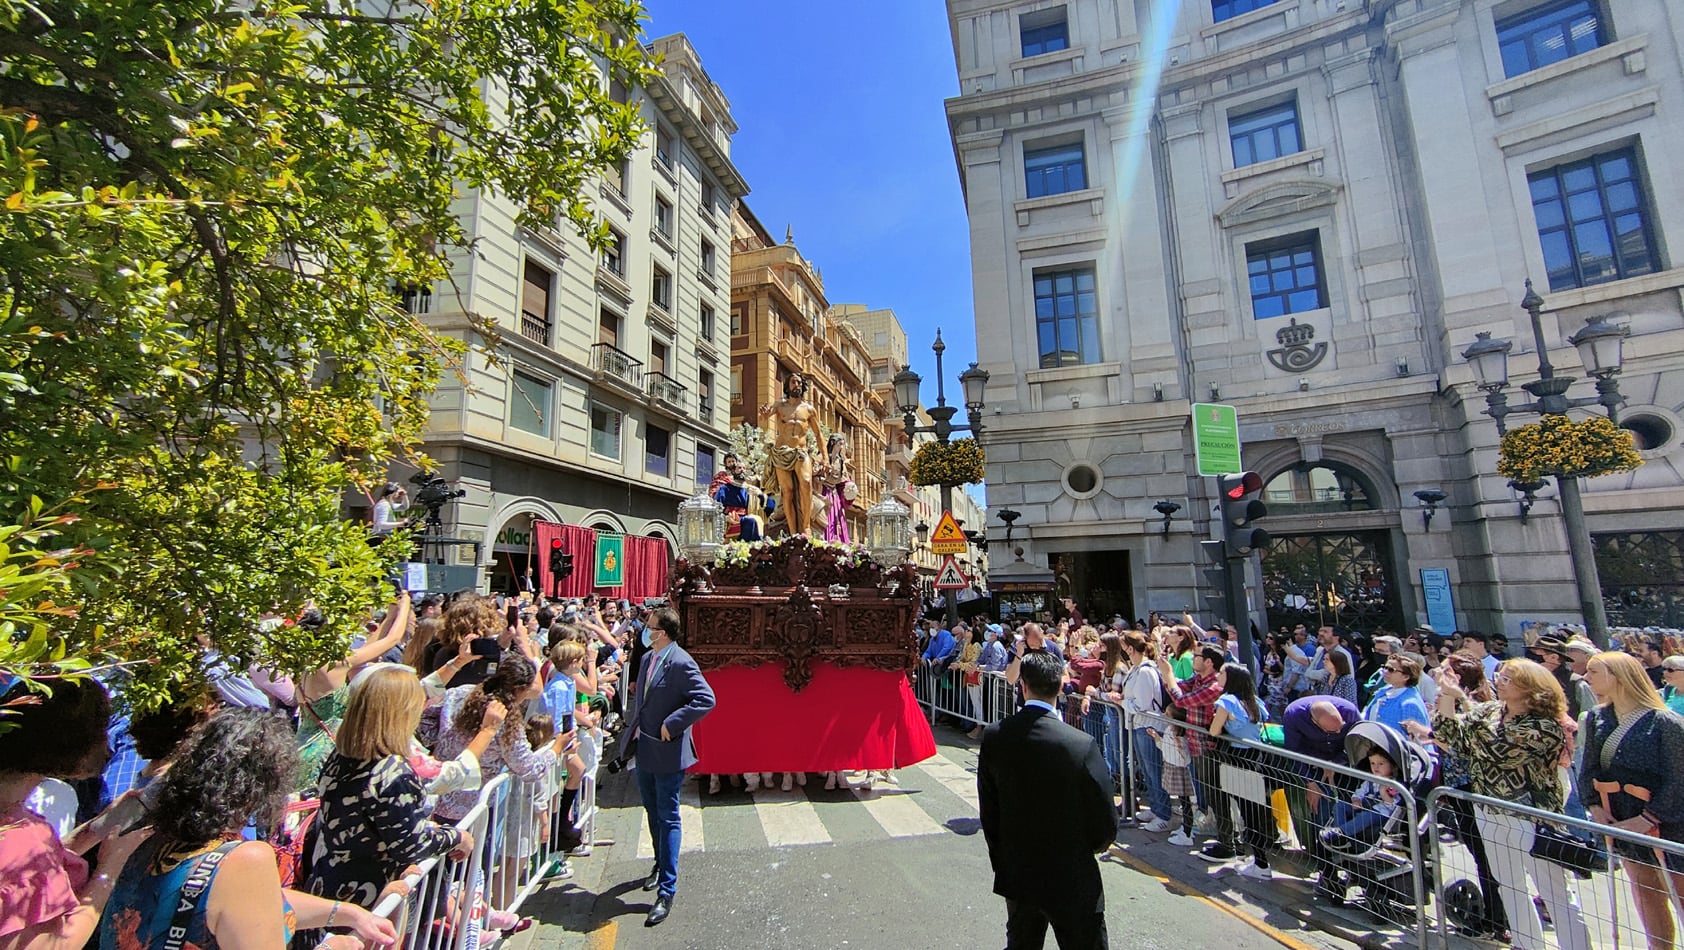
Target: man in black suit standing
672	696
1043	856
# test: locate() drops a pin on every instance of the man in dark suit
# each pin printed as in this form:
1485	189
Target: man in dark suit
1046	811
671	697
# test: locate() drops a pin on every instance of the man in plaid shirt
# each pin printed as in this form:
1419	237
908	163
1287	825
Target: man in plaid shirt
1197	698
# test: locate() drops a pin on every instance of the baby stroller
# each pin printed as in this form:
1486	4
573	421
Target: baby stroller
1377	858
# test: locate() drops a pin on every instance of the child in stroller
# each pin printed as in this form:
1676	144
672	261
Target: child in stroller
1363	836
1359	822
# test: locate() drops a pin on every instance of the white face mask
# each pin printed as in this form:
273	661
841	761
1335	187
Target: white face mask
1082	652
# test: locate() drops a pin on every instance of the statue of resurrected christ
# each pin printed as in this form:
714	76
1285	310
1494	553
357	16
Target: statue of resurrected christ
787	459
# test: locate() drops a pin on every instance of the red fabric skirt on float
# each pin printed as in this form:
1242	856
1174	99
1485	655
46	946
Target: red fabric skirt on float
846	719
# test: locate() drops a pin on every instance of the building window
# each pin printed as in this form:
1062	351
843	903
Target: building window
535	303
623	177
1285	275
663	216
708	258
660	289
1548	34
529	404
706	464
736	384
658	352
657	445
1265	134
1044	31
707	323
607	327
1593	222
605	432
1055	170
1067	317
1225	9
664	152
704	392
707	199
739	319
614	253
413	299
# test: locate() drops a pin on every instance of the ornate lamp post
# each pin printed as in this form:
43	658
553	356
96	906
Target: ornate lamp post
1601	349
972	381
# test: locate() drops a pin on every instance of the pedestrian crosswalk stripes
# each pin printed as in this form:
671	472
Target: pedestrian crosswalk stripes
928	795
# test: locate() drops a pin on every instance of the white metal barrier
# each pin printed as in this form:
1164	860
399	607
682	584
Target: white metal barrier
517	829
944	692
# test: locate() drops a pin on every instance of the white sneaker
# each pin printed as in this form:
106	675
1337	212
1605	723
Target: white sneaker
830	781
1182	839
713	785
1251	870
1156	826
1144	814
789	781
752	782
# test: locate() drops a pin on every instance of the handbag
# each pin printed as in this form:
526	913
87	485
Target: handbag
1575	854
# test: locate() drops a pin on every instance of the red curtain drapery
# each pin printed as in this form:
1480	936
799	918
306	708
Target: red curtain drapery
647	563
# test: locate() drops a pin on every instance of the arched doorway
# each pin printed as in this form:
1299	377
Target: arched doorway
1331	561
511	548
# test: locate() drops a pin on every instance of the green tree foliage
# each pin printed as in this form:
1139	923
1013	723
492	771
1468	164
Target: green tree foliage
207	207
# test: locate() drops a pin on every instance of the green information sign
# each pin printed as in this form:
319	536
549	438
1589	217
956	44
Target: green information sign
1216	438
610	560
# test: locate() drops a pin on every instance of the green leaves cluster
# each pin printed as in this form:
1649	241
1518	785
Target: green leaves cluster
208	207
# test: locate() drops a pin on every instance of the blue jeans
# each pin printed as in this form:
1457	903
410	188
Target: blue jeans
1356	824
1150	761
659	791
1110	739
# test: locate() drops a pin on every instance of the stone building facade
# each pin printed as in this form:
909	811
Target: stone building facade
604	405
781	323
1308	211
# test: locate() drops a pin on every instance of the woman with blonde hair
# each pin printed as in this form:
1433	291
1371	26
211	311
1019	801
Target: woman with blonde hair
1511	747
1629	778
374	822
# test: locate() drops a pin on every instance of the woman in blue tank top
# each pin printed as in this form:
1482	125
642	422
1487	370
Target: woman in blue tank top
196	884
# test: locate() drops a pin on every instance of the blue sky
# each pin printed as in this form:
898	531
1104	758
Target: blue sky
842	136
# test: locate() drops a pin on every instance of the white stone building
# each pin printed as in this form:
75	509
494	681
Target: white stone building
604	405
1307	210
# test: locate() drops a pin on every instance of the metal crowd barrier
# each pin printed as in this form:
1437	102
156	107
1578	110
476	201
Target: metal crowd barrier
944	693
1266	799
515	826
1588	898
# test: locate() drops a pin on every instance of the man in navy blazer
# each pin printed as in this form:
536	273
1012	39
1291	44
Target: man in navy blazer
671	697
1044	859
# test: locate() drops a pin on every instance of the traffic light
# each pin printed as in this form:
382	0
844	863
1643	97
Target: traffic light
561	563
1241	507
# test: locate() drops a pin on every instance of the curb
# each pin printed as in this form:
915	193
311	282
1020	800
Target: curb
1123	857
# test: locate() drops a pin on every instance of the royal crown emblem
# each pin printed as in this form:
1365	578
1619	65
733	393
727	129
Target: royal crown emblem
1295	354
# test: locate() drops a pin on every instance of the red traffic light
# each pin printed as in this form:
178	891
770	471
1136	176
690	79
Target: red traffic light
1239	485
555	544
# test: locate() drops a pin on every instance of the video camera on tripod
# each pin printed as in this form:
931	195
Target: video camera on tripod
432	492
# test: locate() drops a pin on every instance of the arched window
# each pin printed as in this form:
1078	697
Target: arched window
1319	488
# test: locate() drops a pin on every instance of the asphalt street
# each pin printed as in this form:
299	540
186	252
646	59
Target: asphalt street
899	866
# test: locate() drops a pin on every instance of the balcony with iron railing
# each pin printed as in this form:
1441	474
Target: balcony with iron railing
664	389
616	365
535	327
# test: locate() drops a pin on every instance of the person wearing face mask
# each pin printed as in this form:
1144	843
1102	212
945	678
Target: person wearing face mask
672	696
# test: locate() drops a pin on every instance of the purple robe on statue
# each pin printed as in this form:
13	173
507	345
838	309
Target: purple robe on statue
836	508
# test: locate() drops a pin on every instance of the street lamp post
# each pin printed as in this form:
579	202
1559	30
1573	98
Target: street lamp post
972	381
1601	348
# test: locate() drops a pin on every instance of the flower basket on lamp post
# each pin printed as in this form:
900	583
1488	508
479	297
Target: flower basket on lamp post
960	462
1557	445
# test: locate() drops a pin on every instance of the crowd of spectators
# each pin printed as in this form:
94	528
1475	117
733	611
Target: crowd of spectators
263	811
1547	721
